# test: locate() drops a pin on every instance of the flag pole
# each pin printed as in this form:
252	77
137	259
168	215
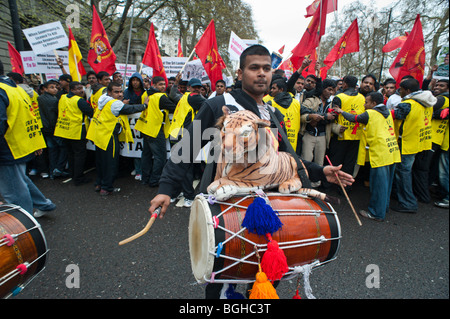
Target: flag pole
184	66
385	41
128	47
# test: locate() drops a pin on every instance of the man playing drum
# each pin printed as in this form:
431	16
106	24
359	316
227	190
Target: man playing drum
255	72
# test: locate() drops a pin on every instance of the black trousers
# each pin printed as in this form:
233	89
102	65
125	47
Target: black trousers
107	164
345	153
420	176
76	151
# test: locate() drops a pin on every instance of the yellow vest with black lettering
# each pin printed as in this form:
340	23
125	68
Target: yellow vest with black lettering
353	105
417	131
23	135
152	118
35	108
95	97
179	115
70	118
440	127
291	120
103	124
379	138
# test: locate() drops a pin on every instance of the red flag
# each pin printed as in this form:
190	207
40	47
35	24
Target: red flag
395	43
311	68
101	56
411	58
180	49
208	53
281	50
311	38
152	56
16	59
348	43
311	9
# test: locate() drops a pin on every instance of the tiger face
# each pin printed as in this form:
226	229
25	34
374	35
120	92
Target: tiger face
239	134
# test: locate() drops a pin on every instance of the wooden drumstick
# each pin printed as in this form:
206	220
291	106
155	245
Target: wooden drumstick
146	228
345	193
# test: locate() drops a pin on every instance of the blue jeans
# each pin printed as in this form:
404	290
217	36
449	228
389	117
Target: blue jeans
403	182
443	172
16	188
381	179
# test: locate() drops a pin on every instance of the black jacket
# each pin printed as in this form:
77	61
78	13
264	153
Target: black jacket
48	109
207	117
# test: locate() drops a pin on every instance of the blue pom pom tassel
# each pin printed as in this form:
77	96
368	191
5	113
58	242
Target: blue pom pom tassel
230	293
260	218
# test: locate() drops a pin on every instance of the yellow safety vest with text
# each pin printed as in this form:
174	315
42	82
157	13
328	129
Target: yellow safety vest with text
291	120
152	118
179	115
440	127
35	108
24	134
417	131
70	118
95	97
103	124
380	139
353	105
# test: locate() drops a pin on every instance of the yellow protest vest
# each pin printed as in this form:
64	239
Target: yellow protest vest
353	105
23	135
181	111
103	124
153	117
439	127
417	130
267	98
70	118
35	108
291	120
379	137
95	97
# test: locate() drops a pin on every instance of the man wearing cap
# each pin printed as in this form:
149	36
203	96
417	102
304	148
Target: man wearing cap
64	82
188	106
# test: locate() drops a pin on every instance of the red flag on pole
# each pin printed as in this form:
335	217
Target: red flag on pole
348	43
411	58
180	49
208	53
152	56
16	59
101	56
311	9
395	43
311	38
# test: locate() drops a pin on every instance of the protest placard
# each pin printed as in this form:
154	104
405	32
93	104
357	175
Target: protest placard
47	37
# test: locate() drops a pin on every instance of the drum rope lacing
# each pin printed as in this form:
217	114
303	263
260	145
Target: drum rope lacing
293	271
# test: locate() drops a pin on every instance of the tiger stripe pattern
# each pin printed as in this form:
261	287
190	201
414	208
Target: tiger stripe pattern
249	158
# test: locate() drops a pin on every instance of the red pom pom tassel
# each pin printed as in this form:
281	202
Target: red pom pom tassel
274	263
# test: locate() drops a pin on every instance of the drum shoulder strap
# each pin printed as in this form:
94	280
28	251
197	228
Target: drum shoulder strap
301	170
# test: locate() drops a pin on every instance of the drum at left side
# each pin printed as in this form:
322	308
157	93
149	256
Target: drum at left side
23	249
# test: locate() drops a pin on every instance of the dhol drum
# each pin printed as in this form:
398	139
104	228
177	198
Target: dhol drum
222	251
23	249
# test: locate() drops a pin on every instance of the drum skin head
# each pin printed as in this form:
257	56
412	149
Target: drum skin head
201	240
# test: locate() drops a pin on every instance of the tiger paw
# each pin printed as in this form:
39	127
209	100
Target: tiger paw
290	186
225	192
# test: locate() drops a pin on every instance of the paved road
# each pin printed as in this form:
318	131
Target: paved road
411	251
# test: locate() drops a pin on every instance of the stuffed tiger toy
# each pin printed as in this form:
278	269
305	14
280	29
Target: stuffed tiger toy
249	159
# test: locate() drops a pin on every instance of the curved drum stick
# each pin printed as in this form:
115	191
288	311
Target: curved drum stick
146	228
345	193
